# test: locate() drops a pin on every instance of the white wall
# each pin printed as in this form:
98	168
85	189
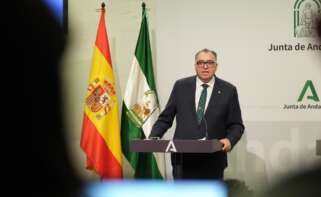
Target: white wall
276	141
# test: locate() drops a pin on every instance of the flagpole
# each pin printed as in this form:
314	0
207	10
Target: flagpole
144	7
103	5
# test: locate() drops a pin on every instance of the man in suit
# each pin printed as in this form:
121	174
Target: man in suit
205	106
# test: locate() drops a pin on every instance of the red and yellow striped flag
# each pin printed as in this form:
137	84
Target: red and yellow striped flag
100	138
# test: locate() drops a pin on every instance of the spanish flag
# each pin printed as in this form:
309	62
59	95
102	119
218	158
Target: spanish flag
100	138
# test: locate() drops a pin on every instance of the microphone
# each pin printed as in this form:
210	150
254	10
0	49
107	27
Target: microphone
154	138
206	133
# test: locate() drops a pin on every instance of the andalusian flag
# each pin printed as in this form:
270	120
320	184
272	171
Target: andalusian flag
140	109
100	138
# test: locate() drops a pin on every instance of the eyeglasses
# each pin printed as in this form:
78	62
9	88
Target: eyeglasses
203	63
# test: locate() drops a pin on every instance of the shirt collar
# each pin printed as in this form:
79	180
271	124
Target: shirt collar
210	83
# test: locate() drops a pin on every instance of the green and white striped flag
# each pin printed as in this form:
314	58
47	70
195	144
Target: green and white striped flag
140	110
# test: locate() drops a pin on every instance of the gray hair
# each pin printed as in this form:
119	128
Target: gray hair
205	50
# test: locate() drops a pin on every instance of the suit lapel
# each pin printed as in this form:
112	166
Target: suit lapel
191	97
192	93
215	97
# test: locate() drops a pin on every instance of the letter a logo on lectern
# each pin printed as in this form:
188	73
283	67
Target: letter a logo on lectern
171	147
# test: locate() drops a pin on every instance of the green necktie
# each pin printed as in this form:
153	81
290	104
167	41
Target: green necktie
201	104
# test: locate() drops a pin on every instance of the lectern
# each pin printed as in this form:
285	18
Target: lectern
176	146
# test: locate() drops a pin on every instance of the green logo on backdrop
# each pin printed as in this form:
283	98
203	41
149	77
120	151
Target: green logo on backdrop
305	15
309	85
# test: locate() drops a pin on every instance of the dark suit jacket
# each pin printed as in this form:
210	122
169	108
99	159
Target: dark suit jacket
222	117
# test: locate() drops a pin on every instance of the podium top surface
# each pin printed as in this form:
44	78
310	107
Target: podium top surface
177	145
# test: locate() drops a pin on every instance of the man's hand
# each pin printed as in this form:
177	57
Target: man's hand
226	145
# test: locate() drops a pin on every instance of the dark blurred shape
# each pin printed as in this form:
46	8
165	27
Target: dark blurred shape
304	183
237	188
318	147
35	40
319	27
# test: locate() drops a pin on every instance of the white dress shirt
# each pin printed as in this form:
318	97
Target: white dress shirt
199	89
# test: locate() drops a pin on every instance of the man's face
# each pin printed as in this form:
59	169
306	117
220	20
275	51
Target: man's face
205	66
